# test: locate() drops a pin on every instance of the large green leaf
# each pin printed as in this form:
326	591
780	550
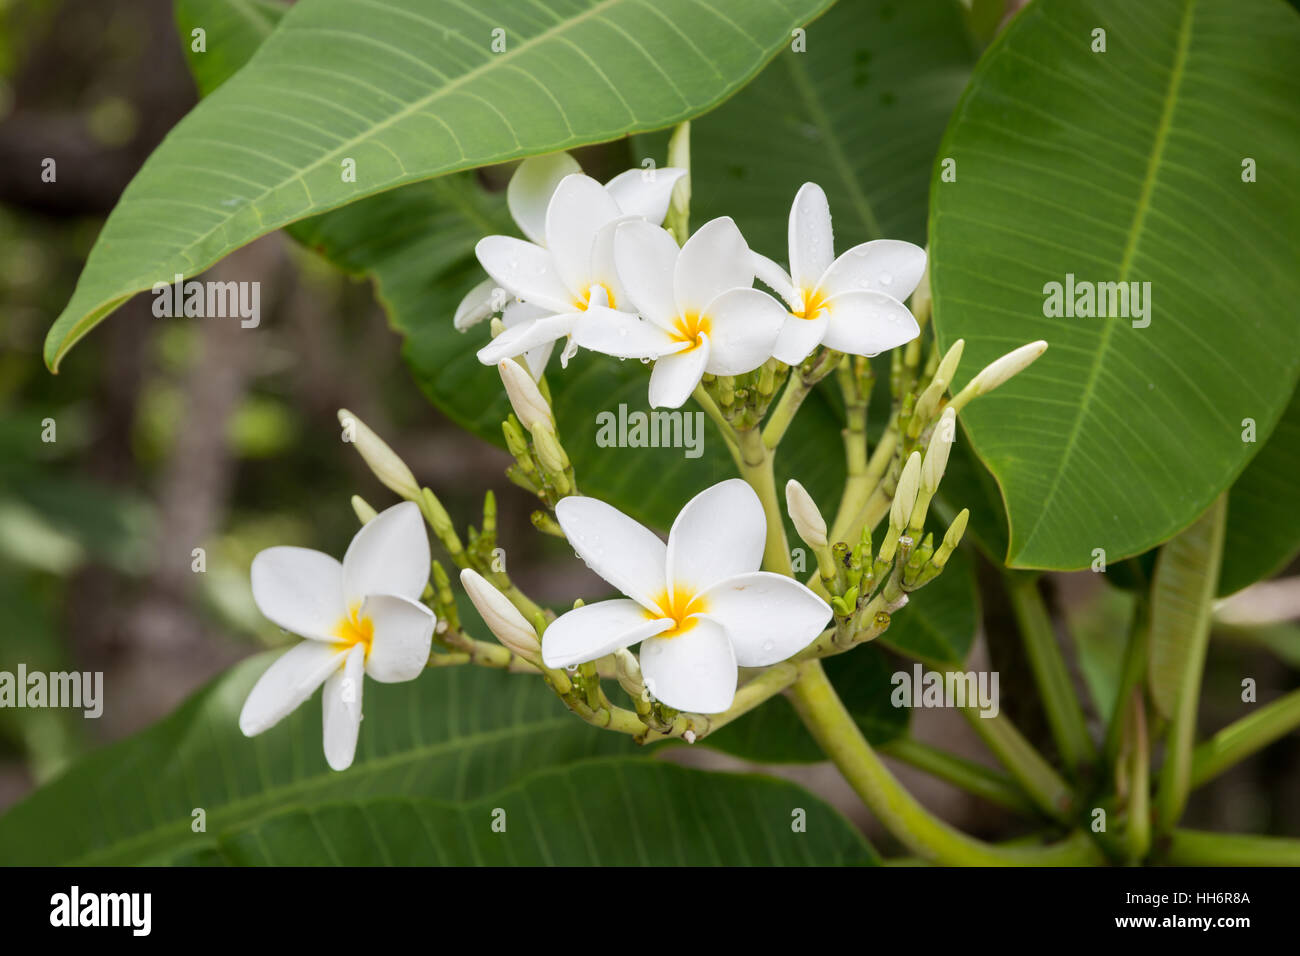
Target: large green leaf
408	91
1124	166
1263	517
860	113
455	734
232	32
596	813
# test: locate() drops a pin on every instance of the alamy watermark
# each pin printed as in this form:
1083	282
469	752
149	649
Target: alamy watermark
920	688
209	300
1103	300
56	689
639	429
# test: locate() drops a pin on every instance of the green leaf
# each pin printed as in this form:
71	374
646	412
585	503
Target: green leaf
409	92
233	30
861	113
1124	166
1263	520
455	734
595	813
1182	595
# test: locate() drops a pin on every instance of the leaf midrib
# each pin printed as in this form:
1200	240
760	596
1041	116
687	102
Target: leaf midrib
1126	262
834	149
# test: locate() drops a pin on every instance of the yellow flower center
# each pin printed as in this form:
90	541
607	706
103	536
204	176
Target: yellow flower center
583	304
690	327
813	302
355	629
680	607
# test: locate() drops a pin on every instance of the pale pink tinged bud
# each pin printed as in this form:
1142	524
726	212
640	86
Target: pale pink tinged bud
808	520
526	399
381	459
502	618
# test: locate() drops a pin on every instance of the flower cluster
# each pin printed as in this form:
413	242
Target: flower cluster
599	271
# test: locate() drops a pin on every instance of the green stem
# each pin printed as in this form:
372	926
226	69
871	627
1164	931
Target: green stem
969	776
1194	555
864	502
782	414
924	834
1244	737
1035	775
1131	674
756	461
1138	833
725	429
1200	848
1064	713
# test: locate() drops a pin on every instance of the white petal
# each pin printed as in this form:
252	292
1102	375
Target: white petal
769	617
604	266
341	706
403	635
529	334
675	376
890	266
477	304
714	260
800	336
525	270
626	554
517	313
579	209
776	279
623	335
590	632
719	534
868	323
812	247
531	189
290	680
694	671
300	590
536	358
646	257
645	192
389	555
743	328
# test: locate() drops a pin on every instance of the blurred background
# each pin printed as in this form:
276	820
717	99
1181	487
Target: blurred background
176	434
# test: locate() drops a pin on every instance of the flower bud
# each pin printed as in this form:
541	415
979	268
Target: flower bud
550	452
381	459
808	521
362	508
525	398
1009	365
936	455
502	618
628	671
951	539
909	483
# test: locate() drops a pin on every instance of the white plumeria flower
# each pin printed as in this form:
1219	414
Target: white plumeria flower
700	311
853	303
699	605
359	617
583	208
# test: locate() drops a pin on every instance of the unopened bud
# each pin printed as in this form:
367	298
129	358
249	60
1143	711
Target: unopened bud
936	455
1011	364
905	494
628	671
952	537
808	521
362	509
525	398
381	459
502	618
549	451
